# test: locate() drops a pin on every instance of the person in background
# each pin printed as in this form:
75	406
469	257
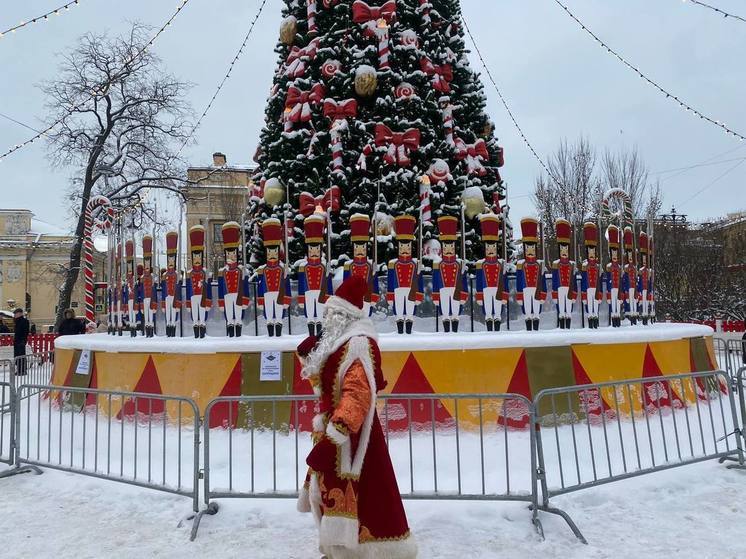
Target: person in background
4	328
71	325
32	330
20	337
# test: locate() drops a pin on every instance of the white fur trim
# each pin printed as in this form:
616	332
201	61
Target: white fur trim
339	531
304	502
318	422
359	349
400	549
362	327
335	302
314	498
337	436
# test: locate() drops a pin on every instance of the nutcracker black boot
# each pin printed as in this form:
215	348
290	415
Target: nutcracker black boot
529	324
231	330
446	326
454	326
271	330
536	324
490	325
400	326
239	330
203	331
196	331
278	330
319	330
498	325
408	326
311	329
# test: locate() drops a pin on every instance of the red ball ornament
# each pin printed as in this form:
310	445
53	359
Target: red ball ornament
330	68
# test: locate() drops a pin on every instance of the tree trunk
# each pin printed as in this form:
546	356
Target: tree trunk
73	271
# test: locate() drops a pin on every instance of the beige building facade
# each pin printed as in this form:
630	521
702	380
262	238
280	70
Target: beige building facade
216	194
33	257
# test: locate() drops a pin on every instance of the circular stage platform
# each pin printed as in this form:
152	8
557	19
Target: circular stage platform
466	363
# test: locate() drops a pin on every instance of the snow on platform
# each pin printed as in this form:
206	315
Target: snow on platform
393	342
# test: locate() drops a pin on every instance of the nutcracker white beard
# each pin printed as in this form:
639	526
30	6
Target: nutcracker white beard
335	324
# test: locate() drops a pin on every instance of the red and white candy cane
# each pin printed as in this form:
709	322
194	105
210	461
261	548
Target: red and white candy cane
103	222
447	112
311	14
376	22
338	112
426	214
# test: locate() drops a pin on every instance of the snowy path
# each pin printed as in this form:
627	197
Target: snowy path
697	511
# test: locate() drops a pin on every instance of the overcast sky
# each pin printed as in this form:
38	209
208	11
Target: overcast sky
559	82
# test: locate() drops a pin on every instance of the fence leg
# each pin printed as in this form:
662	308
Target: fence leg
15	428
211	509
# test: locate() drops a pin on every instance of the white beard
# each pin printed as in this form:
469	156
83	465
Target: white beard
338	327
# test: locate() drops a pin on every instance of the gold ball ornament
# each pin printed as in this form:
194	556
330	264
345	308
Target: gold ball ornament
366	81
473	200
274	192
384	225
288	30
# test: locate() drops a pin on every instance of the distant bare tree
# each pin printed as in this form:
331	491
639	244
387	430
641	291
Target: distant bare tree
627	170
120	117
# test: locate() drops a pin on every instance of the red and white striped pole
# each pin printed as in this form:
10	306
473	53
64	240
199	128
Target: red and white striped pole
311	13
103	221
447	112
382	32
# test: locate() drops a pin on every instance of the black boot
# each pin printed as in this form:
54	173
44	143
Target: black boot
529	324
278	330
400	326
311	329
202	331
196	331
231	330
408	326
498	325
644	320
133	333
271	330
239	329
454	326
568	323
536	324
446	326
318	330
490	325
119	331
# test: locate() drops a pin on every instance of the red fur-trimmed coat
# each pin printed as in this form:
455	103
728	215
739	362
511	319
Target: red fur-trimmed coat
351	487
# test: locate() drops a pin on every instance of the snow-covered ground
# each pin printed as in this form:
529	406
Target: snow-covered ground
694	512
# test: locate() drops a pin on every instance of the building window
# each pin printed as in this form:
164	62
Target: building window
217	232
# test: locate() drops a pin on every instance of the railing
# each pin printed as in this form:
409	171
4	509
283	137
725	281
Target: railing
7	419
146	440
596	434
39	343
35	368
443	446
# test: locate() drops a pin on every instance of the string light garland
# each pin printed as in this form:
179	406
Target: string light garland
225	78
716	9
44	17
136	56
668	94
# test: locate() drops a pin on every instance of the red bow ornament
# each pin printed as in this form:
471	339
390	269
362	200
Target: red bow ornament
442	75
474	155
340	110
399	144
298	102
368	16
330	201
295	65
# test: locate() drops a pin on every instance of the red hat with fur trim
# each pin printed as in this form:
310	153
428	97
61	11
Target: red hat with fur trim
350	296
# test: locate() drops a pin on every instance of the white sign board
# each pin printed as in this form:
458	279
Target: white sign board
271	367
84	364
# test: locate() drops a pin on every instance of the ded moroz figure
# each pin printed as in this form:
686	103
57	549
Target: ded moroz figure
450	289
171	285
361	266
614	277
405	285
591	275
530	288
314	280
198	289
563	274
231	296
274	283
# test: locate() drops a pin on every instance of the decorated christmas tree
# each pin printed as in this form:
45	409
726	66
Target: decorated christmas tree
375	109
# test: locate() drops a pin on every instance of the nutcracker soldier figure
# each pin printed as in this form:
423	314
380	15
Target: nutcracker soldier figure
117	295
198	288
231	296
614	277
361	266
644	293
130	288
492	289
563	274
171	285
314	281
651	276
629	277
591	275
450	289
405	284
148	288
530	282
274	283
139	314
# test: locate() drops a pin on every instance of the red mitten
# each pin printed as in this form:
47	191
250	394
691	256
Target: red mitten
307	346
323	456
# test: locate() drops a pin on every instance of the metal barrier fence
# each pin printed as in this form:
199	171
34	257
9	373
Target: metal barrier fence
35	368
7	419
720	345
146	440
735	356
596	434
443	446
